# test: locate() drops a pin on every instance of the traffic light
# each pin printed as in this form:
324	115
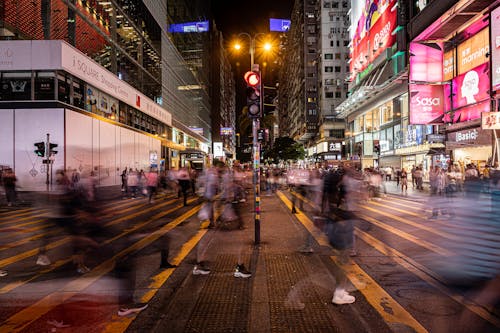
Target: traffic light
52	146
40	149
253	81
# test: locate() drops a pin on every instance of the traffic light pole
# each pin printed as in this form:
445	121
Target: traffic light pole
46	157
256	177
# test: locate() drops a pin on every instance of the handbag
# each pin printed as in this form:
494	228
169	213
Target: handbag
340	234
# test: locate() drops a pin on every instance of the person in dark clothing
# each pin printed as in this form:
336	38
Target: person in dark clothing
9	183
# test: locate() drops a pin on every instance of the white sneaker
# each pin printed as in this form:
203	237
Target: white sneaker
340	296
3	273
200	270
43	260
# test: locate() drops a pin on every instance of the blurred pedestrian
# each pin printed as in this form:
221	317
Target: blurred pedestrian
9	180
151	183
184	183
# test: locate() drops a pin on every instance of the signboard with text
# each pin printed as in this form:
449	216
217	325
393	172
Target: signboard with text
426	103
490	120
426	62
373	33
495	48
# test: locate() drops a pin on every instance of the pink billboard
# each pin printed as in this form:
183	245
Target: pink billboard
467	113
426	62
495	48
373	33
471	87
426	104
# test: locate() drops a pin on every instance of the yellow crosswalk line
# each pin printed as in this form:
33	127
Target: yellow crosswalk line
25	317
374	293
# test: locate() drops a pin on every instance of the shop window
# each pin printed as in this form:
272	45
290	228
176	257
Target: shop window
16	86
45	86
78	93
63	87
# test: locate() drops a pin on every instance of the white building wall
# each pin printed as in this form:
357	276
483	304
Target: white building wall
85	144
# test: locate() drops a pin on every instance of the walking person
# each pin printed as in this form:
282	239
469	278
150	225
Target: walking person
404	181
184	183
132	182
152	183
9	180
124	177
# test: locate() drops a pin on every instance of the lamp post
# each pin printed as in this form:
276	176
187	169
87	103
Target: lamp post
255	141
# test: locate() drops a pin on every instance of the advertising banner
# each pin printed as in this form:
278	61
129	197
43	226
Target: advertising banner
426	104
449	65
373	33
218	150
495	48
471	87
473	52
426	62
467	113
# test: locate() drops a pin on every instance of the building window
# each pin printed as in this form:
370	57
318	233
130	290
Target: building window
335	4
336	133
346	43
311	99
44	86
338	43
337	56
337	69
327	4
331	43
328	82
328	56
338	94
328	94
15	86
329	69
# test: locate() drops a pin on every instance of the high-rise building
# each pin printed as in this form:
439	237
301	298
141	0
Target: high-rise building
109	84
298	90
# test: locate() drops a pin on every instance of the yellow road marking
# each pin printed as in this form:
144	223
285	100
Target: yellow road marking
25	317
120	324
59	263
373	292
407	236
390	310
408	222
427	275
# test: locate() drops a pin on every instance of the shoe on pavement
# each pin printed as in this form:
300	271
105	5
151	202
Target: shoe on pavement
131	309
58	324
3	273
82	269
200	270
43	260
306	249
242	272
340	296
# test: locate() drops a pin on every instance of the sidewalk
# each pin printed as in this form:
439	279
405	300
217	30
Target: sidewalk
288	292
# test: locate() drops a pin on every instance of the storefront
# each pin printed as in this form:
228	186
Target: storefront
472	145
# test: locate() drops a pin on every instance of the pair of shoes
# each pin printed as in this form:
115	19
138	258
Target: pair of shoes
168	265
43	260
58	324
340	296
200	270
241	271
82	269
353	253
3	273
131	309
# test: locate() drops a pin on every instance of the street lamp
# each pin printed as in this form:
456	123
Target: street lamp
255	128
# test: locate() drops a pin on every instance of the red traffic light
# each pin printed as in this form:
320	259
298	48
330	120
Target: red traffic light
252	78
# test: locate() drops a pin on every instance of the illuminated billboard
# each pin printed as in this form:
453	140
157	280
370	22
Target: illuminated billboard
426	104
473	52
426	62
374	28
495	48
188	27
279	25
471	87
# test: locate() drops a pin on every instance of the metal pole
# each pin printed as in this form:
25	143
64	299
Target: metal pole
46	158
256	178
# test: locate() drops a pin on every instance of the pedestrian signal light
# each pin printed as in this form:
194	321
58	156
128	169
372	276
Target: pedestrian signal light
40	149
52	147
252	79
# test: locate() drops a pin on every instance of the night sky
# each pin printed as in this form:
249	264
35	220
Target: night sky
234	16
